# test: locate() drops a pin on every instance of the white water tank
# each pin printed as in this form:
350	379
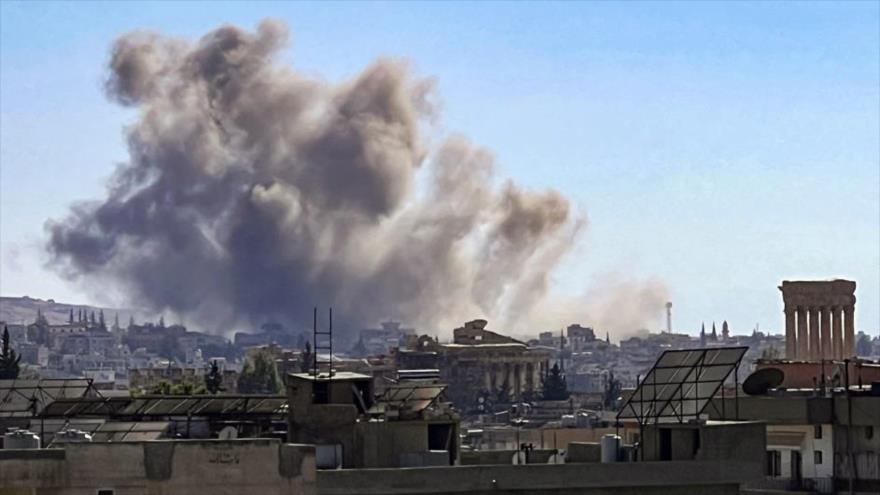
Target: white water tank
610	445
21	439
71	436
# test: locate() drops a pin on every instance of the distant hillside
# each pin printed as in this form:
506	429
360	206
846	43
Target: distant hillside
24	310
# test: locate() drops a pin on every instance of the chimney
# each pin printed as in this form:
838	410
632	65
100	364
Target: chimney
669	317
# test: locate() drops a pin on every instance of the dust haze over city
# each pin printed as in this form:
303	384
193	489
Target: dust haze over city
436	248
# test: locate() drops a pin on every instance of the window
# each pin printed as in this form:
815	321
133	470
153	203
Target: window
817	432
105	491
869	432
774	463
817	457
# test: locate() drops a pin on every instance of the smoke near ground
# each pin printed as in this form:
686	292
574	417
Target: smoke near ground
254	193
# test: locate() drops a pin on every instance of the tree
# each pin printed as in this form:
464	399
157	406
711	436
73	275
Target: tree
187	388
165	387
306	359
259	375
161	388
214	379
863	345
611	392
554	386
9	368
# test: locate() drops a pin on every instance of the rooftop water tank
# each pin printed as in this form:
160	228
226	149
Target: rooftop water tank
21	439
610	448
71	436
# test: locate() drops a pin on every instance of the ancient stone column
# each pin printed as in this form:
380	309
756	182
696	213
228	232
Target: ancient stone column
517	382
837	332
790	333
849	336
826	346
803	338
511	382
537	380
530	377
815	350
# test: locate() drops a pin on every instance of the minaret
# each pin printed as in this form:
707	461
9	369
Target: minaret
703	335
714	333
725	332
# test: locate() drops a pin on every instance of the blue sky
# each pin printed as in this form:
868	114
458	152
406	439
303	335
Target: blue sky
718	147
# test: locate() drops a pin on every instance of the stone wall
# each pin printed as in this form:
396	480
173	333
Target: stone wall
652	478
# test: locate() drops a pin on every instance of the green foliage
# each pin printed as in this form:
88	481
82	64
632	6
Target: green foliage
188	388
165	387
9	360
611	391
161	388
554	386
214	379
306	359
260	375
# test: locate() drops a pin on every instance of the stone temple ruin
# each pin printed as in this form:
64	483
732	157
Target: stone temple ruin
480	366
819	319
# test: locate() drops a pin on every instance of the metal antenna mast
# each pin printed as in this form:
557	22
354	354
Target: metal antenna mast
323	341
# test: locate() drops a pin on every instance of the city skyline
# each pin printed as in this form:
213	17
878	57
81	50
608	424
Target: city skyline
758	164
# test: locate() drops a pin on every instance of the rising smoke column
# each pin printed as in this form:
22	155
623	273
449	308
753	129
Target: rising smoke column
255	193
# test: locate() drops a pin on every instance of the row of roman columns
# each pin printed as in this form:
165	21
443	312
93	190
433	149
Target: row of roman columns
519	377
819	332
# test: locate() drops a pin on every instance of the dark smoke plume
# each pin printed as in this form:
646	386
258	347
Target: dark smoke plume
255	193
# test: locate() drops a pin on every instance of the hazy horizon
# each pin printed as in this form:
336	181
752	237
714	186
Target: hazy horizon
712	149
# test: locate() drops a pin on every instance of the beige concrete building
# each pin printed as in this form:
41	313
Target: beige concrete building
408	425
191	467
819	319
820	443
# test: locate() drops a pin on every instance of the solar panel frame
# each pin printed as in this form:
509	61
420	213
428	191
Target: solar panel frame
681	383
409	397
27	398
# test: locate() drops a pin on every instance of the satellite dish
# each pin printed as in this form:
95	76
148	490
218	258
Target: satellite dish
759	382
228	433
